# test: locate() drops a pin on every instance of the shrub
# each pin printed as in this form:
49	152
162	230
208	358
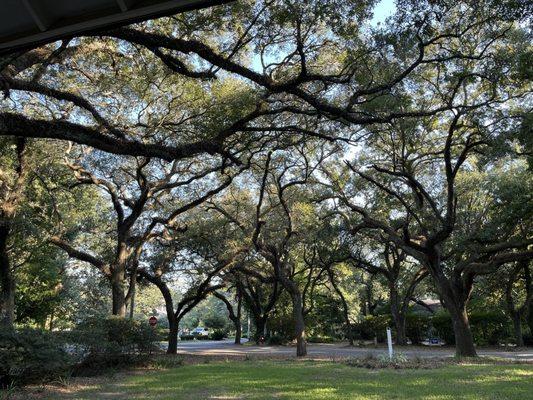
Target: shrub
528	339
417	327
218	334
186	337
399	361
443	328
31	355
488	327
111	342
373	326
321	339
276	340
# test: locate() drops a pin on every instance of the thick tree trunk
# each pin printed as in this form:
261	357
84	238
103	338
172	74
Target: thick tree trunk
173	322
235	317
118	281
464	341
349	333
345	311
517	313
237	321
517	326
7	213
132	302
529	293
119	295
7	281
299	325
454	295
399	325
397	316
173	330
260	324
529	319
238	333
118	278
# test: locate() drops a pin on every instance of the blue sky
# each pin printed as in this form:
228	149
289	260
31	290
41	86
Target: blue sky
382	10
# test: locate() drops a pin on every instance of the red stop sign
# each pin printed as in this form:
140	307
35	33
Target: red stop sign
152	321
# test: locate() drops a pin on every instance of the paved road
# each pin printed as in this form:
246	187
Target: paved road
226	348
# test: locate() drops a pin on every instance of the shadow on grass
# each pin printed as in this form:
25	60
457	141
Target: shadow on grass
320	380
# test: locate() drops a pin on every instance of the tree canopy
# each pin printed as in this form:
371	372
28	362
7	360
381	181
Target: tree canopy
296	161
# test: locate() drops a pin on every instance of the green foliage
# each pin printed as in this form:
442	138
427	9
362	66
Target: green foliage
442	323
31	355
215	321
218	334
488	327
276	340
39	286
325	320
417	327
344	58
110	342
372	326
210	313
322	339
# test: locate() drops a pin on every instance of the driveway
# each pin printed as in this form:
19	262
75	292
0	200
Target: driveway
226	348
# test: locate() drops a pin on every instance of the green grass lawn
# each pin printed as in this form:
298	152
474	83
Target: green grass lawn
318	380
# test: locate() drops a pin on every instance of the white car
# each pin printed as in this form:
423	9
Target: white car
201	332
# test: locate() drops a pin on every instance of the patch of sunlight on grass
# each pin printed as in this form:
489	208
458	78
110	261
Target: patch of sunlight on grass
289	380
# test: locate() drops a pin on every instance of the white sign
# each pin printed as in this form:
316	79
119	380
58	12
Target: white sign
389	342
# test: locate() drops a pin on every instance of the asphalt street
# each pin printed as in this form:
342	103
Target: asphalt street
226	348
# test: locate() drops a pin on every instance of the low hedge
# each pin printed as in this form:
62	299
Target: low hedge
372	326
488	327
31	355
111	342
218	334
322	339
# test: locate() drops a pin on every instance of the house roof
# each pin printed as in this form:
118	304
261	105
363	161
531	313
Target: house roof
27	23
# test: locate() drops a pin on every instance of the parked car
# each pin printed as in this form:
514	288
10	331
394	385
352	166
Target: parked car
433	341
200	332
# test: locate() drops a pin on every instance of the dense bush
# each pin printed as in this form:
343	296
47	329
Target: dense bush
528	339
276	340
186	336
218	334
322	339
373	326
488	327
417	327
111	342
31	355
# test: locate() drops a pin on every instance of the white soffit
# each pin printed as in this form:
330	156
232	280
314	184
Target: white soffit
28	23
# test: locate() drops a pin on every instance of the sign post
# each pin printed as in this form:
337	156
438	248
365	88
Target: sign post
153	322
389	342
248	330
